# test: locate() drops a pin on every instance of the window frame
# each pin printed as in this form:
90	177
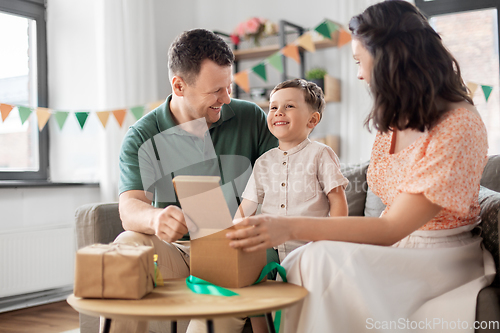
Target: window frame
35	10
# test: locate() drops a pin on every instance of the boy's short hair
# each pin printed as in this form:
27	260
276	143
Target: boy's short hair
313	94
191	48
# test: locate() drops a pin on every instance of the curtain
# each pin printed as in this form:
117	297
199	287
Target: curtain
102	57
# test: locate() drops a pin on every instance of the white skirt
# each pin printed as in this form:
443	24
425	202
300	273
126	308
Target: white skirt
427	282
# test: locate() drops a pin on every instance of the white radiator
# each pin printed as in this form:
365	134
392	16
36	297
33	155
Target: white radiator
37	259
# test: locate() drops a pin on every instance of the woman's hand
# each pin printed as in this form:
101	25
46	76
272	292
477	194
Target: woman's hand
260	232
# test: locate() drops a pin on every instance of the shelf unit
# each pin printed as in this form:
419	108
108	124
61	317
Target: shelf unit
332	85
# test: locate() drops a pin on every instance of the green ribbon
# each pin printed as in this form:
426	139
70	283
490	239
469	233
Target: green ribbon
200	286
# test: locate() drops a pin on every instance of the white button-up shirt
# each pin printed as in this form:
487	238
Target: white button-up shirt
295	183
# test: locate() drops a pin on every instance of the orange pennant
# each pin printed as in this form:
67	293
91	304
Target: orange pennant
472	87
43	115
103	117
154	105
291	51
120	116
241	79
306	42
344	38
5	110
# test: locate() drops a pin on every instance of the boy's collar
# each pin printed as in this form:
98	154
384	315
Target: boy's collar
297	148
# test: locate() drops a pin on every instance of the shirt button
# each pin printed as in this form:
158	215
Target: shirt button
284	163
282	184
285	153
282	206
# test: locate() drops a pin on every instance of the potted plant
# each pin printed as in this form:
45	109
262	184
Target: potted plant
317	75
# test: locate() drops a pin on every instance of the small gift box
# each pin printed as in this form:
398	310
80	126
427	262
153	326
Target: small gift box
114	271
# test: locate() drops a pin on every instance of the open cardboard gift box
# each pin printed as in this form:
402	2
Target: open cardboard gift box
209	219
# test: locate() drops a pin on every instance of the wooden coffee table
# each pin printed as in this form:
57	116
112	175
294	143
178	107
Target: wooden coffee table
174	301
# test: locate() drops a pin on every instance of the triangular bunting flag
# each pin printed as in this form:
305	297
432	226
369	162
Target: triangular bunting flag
154	105
5	110
43	115
487	91
332	26
61	117
344	38
103	117
82	118
260	70
276	60
137	111
306	42
472	87
323	30
291	51
241	79
24	113
120	116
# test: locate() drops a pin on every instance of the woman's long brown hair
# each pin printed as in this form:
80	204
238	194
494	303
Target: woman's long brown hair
411	67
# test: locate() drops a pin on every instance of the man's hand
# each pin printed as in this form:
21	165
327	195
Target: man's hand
169	224
138	215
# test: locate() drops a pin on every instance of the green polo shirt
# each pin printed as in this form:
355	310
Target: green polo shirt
155	150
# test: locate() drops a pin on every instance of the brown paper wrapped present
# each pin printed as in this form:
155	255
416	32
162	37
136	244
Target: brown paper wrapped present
114	271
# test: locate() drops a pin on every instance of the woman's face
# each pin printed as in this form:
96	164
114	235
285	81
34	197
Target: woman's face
364	60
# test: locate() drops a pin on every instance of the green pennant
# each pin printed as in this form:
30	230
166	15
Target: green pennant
276	60
137	111
24	113
260	70
324	30
82	118
331	26
61	117
487	91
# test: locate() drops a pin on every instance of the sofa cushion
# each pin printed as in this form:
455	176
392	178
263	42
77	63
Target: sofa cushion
491	173
374	205
356	190
490	218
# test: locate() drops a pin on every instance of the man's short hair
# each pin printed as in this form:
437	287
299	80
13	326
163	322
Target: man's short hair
313	94
191	48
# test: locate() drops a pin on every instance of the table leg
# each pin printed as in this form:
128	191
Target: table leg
173	326
210	326
107	325
270	324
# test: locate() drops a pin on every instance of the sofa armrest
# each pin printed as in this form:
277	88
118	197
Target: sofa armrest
488	309
97	223
490	219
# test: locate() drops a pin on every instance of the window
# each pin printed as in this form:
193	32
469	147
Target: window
469	29
23	83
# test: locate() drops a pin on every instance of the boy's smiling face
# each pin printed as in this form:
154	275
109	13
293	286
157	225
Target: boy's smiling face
290	118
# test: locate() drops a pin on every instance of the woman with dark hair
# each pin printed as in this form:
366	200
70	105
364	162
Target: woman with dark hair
417	267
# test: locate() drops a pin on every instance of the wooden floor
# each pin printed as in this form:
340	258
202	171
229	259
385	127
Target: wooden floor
49	318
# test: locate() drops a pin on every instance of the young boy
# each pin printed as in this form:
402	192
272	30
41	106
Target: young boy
300	177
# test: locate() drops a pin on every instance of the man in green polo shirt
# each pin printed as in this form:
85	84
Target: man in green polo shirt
198	130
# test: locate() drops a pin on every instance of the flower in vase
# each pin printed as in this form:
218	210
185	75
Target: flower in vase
254	28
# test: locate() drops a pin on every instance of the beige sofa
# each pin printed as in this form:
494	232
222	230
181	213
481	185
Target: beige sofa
100	223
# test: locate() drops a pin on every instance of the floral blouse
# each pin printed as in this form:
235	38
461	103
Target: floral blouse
445	164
